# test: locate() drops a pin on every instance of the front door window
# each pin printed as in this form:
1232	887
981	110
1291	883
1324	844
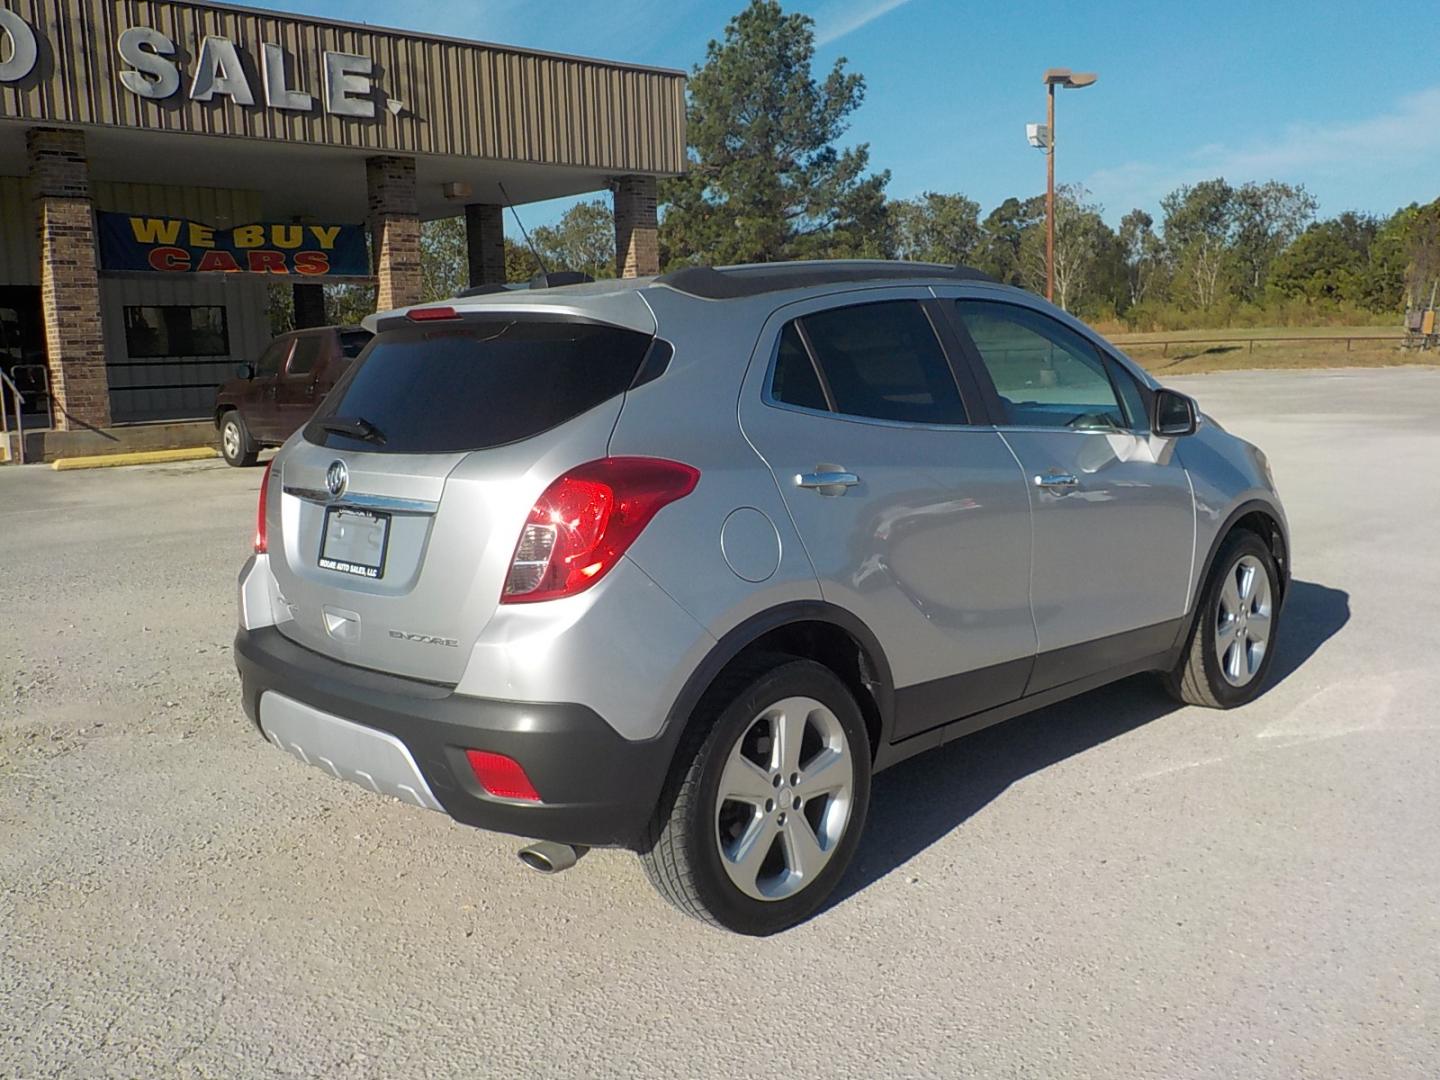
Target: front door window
1046	374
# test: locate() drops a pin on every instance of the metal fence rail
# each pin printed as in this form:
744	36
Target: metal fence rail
19	399
1249	343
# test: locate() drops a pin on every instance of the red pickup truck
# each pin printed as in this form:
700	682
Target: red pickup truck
270	399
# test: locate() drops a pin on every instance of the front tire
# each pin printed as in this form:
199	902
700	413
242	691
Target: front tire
767	801
1232	641
235	444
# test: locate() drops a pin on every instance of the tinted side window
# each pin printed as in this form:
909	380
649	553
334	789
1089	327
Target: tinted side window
274	355
883	361
308	350
795	381
352	342
1046	374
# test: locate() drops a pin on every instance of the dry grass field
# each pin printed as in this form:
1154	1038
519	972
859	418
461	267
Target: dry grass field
1191	352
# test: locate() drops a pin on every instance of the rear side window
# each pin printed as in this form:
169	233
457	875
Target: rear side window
307	353
884	362
478	384
796	382
273	356
352	342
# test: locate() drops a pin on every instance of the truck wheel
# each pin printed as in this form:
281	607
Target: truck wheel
235	444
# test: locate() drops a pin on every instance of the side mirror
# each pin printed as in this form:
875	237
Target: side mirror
245	371
1175	414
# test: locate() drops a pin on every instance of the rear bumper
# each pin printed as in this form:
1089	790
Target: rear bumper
596	787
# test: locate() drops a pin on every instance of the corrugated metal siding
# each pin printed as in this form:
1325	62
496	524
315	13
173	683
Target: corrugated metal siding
462	99
189	381
212	206
19	234
184	386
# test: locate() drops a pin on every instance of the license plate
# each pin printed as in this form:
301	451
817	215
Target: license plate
354	542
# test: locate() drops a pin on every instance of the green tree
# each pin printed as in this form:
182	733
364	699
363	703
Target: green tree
1002	236
1267	218
346	305
1143	257
444	258
583	239
520	262
935	228
1330	260
1199	223
1421	240
766	180
1081	238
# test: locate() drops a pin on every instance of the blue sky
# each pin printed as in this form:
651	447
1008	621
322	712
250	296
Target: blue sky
1343	97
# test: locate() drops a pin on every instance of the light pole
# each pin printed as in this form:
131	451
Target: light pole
1044	139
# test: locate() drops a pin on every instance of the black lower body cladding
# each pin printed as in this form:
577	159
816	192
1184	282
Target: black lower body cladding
596	787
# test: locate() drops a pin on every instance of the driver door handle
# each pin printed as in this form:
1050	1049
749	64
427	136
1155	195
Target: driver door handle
827	483
1056	481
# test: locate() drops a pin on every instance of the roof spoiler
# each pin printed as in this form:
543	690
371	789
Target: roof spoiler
553	280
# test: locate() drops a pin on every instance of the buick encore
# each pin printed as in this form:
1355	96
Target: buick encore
678	564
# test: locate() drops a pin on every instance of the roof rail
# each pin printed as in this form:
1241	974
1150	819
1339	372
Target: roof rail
732	282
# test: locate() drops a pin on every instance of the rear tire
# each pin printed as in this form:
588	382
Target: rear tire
1232	642
236	446
767	799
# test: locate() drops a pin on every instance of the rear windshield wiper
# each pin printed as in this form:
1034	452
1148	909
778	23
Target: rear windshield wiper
354	427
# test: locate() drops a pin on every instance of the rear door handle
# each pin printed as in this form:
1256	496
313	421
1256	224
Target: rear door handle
827	483
1056	481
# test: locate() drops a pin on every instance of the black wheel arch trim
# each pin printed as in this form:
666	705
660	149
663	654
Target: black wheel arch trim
746	633
1245	509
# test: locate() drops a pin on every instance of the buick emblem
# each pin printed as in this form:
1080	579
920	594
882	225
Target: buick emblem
337	479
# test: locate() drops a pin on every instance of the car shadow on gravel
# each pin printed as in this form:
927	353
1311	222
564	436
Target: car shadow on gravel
920	800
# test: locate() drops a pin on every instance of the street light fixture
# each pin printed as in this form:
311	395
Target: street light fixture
1042	137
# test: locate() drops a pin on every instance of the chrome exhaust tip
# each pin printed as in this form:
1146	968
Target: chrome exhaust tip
548	857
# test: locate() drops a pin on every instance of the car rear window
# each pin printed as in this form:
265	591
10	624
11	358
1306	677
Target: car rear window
352	342
478	384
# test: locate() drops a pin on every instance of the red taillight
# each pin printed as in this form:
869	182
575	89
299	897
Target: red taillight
585	520
501	776
430	314
262	541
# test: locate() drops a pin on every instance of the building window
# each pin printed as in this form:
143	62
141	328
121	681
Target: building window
176	330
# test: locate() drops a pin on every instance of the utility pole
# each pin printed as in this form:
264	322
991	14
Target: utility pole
1071	80
1050	193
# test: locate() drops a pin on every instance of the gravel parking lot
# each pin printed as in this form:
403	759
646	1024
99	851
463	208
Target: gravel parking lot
1114	887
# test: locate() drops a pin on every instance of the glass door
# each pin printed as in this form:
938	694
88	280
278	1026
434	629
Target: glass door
22	350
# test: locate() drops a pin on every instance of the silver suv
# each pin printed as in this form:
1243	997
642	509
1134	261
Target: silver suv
677	564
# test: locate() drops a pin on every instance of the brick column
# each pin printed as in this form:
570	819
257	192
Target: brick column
485	243
394	230
637	227
309	305
69	280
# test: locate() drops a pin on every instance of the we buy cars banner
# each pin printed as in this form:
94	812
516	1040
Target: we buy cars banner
179	246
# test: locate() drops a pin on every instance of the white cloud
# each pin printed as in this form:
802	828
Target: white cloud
1400	137
837	20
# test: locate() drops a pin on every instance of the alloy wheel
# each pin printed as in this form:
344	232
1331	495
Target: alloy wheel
1243	620
784	799
230	439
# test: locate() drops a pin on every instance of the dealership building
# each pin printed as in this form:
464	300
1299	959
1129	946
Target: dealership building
163	163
